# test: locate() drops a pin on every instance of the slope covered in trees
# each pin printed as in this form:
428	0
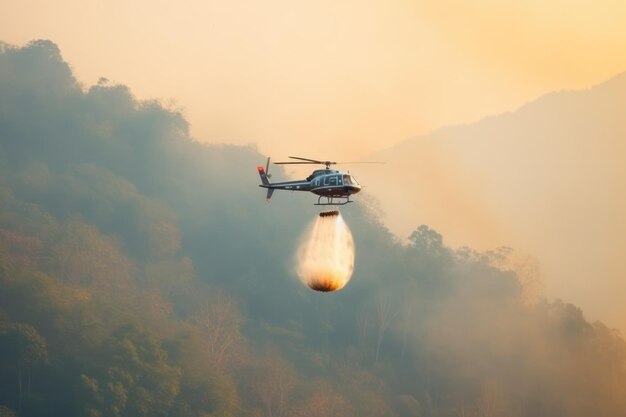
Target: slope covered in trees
141	274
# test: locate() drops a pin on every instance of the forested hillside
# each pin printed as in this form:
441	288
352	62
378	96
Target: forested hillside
142	274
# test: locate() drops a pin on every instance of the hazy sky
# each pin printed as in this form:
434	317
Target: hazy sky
330	79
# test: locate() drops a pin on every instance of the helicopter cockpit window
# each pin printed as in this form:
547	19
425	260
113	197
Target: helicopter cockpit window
332	180
347	180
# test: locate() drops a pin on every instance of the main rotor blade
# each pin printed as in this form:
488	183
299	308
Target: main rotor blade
302	161
307	159
361	162
295	163
334	162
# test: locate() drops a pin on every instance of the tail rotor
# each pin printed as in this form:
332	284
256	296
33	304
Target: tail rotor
267	168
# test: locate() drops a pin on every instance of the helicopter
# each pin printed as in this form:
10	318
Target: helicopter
335	186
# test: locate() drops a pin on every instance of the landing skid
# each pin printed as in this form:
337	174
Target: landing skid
330	201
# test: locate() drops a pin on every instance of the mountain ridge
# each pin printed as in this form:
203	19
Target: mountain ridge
618	79
554	165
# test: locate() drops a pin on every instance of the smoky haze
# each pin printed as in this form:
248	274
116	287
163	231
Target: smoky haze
547	179
353	77
143	273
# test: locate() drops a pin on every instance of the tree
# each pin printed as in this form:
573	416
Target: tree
272	385
86	257
385	314
20	250
427	240
6	412
527	269
21	349
427	251
220	320
322	400
134	378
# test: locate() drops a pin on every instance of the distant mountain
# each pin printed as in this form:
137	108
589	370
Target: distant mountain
548	178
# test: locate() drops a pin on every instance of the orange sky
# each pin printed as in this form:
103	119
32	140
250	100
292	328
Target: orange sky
330	79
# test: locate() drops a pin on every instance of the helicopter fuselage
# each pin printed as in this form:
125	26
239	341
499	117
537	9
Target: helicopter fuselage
328	183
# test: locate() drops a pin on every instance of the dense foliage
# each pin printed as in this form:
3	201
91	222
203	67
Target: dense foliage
141	274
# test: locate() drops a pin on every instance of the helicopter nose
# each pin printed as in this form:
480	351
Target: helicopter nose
353	189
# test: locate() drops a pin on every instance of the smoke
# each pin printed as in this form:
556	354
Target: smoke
325	258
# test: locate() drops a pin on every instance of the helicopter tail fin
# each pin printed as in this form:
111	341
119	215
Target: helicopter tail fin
265	180
264	173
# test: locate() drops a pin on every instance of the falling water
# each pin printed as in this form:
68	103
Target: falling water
325	258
